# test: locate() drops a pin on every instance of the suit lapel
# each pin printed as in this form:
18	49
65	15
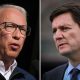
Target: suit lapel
61	72
16	73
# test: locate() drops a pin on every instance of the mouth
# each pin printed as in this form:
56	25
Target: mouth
14	46
61	45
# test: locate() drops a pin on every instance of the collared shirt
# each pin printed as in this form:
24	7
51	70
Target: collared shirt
8	72
67	75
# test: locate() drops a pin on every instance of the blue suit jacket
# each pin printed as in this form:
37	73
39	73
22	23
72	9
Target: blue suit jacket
56	74
19	74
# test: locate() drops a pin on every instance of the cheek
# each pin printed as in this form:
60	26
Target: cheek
22	41
4	38
74	39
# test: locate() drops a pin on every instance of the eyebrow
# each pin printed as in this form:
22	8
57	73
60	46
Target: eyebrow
64	25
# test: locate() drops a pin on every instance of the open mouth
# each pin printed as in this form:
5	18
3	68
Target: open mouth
14	46
62	44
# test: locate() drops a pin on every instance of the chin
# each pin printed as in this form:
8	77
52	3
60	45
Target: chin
66	53
13	55
64	50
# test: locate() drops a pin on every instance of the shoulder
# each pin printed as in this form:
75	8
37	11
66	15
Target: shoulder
52	74
59	68
26	74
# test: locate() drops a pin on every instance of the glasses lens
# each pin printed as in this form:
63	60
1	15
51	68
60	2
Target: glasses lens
23	32
10	27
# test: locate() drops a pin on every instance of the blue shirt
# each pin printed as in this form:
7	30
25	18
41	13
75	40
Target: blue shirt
67	75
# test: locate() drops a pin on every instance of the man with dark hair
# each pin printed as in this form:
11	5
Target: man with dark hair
13	29
65	22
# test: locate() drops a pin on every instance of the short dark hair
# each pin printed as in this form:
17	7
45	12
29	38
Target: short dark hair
73	8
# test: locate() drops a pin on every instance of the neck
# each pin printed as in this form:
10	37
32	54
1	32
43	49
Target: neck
7	62
75	60
74	63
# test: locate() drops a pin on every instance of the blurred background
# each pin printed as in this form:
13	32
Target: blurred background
50	57
29	56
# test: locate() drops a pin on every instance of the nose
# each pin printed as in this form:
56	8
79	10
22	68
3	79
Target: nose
58	35
16	34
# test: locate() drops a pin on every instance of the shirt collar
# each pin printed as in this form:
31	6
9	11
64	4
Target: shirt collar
12	67
70	67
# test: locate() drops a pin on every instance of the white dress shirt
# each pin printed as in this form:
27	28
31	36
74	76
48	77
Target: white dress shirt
7	73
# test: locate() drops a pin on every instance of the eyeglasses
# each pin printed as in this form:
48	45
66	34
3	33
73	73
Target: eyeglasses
11	27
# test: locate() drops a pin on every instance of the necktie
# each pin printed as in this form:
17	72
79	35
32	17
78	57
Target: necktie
74	73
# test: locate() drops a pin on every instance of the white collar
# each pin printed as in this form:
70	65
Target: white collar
12	67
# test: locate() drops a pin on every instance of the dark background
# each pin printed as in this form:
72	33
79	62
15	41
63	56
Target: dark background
28	59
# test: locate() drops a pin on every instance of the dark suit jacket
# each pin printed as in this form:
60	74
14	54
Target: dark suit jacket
19	74
55	74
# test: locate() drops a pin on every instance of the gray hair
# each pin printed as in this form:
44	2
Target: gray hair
21	9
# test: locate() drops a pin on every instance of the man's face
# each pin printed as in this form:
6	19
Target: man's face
66	34
11	43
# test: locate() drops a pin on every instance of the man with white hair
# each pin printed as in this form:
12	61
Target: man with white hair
13	29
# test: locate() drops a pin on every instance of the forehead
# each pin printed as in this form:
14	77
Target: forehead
12	15
63	19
